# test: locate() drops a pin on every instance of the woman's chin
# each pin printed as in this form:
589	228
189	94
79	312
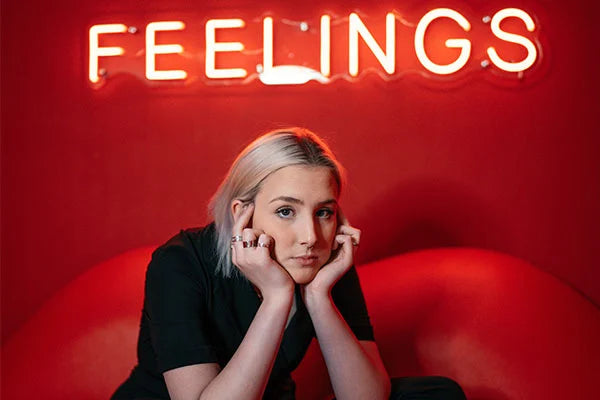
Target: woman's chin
302	276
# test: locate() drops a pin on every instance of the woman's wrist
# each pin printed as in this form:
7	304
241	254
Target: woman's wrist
281	295
314	299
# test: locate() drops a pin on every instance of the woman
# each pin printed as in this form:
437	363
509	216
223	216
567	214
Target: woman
231	308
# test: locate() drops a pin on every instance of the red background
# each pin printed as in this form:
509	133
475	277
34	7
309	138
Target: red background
474	160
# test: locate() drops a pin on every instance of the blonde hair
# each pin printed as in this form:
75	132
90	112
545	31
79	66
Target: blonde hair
268	153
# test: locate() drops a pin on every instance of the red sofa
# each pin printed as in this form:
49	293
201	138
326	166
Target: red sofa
500	327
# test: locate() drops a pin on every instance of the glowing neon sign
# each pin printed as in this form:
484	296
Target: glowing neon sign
97	51
381	48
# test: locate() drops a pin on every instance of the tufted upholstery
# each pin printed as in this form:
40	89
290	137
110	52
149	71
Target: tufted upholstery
500	327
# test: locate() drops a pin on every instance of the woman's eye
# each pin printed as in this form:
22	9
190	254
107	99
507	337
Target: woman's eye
325	213
284	212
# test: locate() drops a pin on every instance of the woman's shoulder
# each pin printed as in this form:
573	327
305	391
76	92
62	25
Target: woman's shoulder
190	248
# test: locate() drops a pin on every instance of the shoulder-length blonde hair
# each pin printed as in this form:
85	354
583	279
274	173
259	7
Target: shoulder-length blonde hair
268	153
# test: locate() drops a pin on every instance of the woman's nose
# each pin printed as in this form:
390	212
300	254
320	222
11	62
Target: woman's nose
308	233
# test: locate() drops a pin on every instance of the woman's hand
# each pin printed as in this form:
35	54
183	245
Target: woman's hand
252	256
345	245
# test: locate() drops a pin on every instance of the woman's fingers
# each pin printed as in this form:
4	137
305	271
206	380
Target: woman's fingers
247	243
350	231
249	237
345	228
264	241
242	218
251	253
346	249
336	267
346	242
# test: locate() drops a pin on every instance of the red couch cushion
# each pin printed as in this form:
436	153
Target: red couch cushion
500	327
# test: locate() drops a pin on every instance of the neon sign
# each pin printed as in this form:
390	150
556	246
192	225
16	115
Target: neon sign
230	61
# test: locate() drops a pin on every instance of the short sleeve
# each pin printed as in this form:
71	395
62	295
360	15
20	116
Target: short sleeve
350	301
176	308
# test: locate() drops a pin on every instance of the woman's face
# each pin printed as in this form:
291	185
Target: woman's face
297	206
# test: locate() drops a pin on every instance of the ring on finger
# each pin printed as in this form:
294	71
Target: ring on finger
236	238
260	244
249	243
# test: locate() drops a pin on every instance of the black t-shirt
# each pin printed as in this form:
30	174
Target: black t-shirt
194	315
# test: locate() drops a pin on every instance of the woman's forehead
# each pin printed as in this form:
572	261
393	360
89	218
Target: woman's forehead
305	183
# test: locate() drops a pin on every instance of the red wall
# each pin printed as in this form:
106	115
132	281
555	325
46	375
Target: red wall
477	161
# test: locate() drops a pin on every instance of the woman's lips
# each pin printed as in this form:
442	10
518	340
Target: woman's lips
306	260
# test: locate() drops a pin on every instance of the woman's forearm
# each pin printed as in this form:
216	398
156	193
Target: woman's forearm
354	375
246	375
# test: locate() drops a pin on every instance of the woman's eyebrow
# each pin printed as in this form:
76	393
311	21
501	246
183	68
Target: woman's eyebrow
330	201
288	199
294	200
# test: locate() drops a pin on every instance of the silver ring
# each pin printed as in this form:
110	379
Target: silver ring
236	238
260	244
249	243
